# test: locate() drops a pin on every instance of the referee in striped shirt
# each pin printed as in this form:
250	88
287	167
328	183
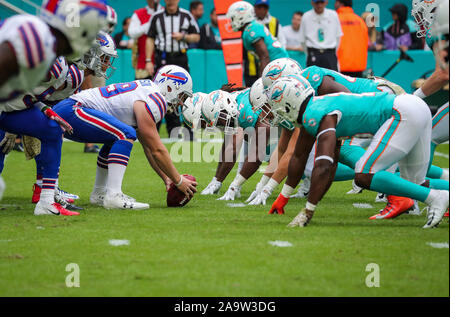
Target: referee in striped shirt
171	31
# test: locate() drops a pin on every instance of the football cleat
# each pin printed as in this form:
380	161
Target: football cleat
355	189
122	201
446	215
67	196
303	190
97	197
395	207
437	209
36	193
381	198
56	209
415	210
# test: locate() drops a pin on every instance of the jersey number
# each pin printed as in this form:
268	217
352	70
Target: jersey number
117	89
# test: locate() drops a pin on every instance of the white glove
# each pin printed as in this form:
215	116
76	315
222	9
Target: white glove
232	193
212	188
258	189
262	197
8	142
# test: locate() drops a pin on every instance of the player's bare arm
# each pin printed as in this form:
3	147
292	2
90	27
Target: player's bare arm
8	63
150	139
330	86
263	54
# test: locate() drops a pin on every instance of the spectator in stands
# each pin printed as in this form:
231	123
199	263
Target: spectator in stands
251	65
138	29
291	33
320	33
353	48
171	31
122	39
197	9
399	35
375	37
210	35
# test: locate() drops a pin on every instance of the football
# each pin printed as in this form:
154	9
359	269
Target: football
175	197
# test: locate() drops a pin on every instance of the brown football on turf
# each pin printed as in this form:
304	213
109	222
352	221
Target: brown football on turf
175	197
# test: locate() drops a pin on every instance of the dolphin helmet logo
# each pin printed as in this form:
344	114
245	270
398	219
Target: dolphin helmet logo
277	93
275	72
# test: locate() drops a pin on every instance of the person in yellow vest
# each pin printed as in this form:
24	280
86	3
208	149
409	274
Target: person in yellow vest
251	66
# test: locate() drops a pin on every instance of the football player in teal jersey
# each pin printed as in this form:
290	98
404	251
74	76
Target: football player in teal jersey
400	127
255	36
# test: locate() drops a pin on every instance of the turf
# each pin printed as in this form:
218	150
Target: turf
207	248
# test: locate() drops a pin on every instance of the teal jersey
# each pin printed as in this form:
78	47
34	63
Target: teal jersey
255	31
315	75
247	117
359	115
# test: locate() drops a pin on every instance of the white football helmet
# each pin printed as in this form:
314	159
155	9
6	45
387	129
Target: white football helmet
278	68
111	20
286	96
258	95
192	110
424	12
440	30
78	20
100	57
175	85
220	105
240	13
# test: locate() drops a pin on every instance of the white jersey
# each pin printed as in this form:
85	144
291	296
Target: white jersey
44	91
34	46
118	100
72	85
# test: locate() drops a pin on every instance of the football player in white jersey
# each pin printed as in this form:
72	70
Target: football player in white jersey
118	114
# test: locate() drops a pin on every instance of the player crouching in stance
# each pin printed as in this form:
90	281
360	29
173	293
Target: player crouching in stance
401	126
115	116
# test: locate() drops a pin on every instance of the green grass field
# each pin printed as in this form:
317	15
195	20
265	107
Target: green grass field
207	248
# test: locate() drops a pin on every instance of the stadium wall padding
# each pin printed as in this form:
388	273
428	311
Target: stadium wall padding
208	67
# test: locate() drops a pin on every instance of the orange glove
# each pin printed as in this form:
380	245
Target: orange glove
278	205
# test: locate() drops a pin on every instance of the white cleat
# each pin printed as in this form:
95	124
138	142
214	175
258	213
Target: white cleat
355	190
381	198
97	197
303	190
121	201
44	208
65	195
415	211
437	209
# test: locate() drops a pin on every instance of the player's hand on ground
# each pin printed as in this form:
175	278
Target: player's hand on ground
278	205
188	187
255	193
8	142
302	219
212	188
261	198
232	193
54	116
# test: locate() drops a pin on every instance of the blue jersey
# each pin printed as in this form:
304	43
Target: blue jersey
359	115
255	31
247	117
315	75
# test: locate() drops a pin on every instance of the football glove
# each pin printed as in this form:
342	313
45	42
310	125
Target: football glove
256	192
212	188
232	193
8	142
302	219
54	116
278	205
262	197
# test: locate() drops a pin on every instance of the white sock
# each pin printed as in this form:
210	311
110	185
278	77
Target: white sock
116	173
47	196
445	175
431	197
101	178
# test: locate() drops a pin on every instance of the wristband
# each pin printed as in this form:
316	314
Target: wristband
272	184
238	180
287	191
181	181
310	206
419	93
148	60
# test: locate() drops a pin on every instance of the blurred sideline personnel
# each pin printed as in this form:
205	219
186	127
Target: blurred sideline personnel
28	48
252	69
170	33
138	29
255	36
291	33
353	50
197	10
122	39
209	34
320	33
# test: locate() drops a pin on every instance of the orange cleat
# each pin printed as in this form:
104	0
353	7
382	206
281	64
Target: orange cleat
446	214
395	207
36	193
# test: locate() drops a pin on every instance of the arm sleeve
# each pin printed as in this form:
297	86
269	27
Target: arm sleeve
136	29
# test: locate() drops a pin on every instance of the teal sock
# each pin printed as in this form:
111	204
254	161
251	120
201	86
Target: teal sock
350	154
391	184
344	173
435	172
438	184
